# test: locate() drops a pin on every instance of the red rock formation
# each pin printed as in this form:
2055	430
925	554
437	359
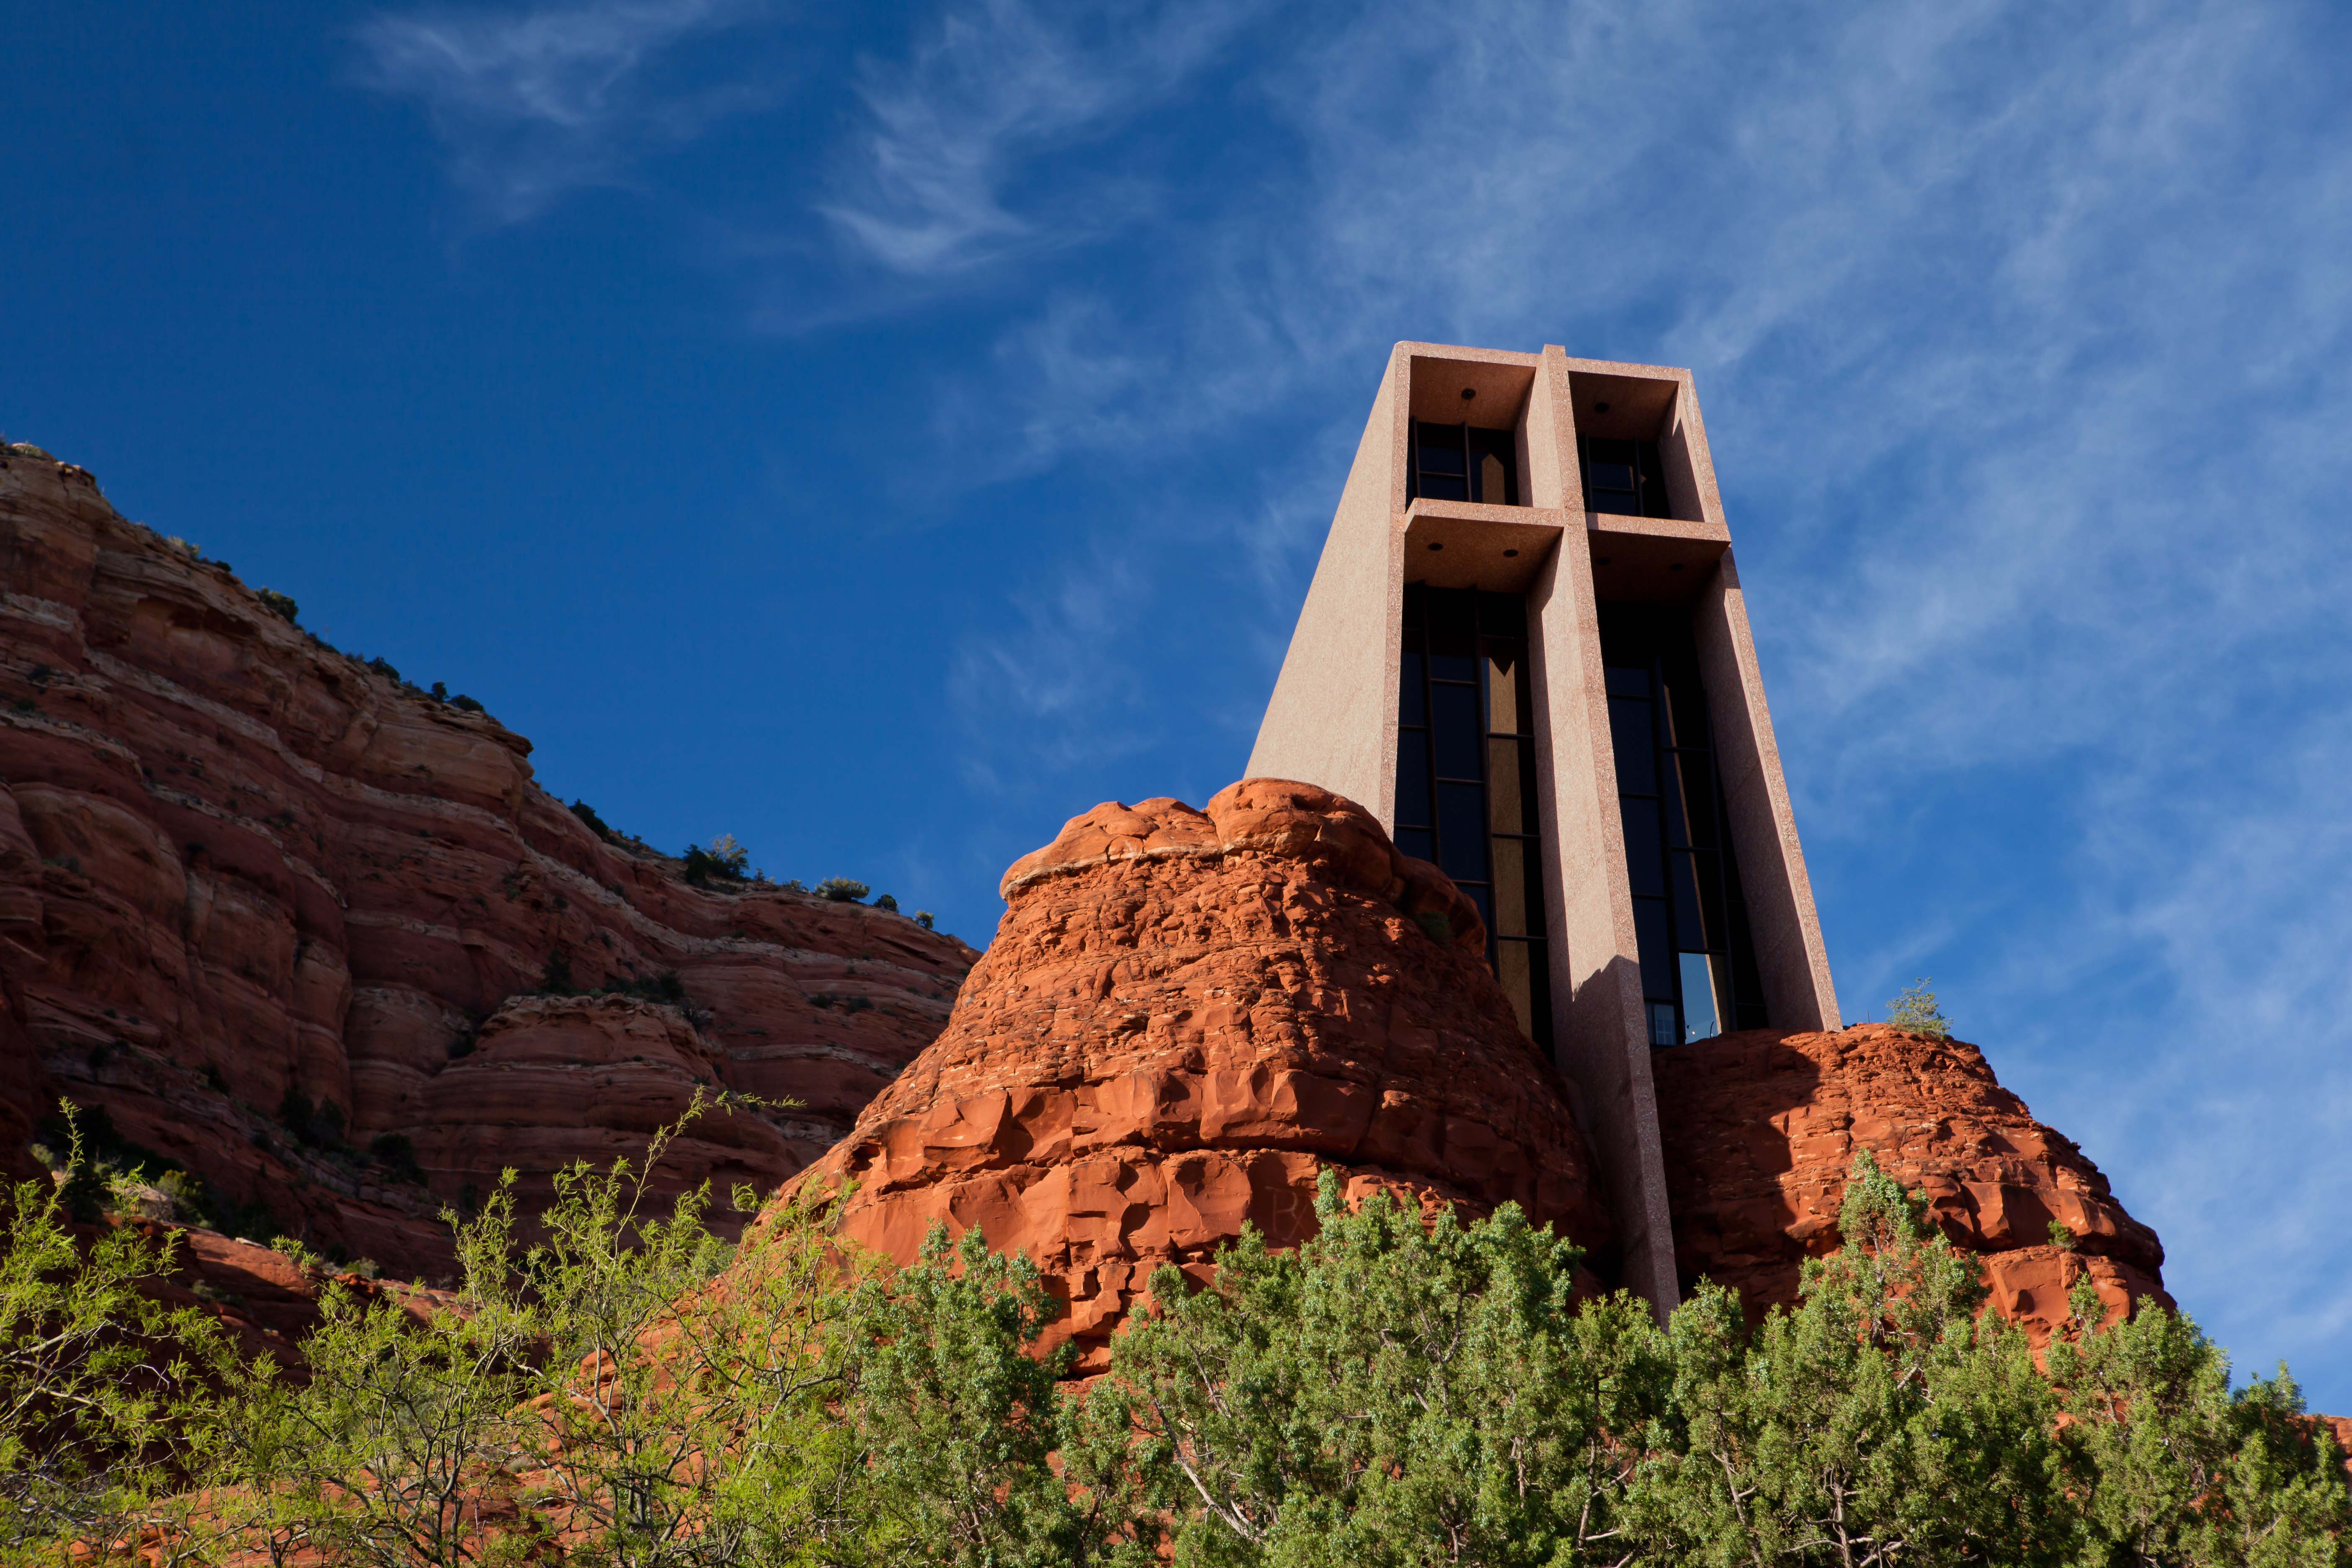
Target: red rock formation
1761	1129
234	861
1186	1017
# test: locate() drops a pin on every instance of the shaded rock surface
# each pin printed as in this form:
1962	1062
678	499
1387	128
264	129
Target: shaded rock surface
235	862
1760	1128
1184	1019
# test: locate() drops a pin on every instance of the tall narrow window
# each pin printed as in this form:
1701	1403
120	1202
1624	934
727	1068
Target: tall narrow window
1699	961
1466	786
1462	462
1625	478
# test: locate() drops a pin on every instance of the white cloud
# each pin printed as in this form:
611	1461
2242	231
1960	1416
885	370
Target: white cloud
533	103
927	190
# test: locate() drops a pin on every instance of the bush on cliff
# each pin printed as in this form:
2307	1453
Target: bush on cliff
1398	1393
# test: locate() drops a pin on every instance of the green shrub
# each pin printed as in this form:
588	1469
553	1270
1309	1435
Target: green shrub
398	1154
923	919
466	704
887	902
277	603
724	861
587	814
842	889
1914	1008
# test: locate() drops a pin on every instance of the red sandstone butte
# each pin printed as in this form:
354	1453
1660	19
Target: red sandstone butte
234	861
1184	1019
1761	1129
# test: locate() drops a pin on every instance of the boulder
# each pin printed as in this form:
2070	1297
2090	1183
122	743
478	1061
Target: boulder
1761	1128
1185	1017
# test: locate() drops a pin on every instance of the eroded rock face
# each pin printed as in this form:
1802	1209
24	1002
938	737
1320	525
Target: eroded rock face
1185	1017
234	861
1760	1128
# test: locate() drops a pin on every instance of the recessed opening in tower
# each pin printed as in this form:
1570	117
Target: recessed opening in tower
1699	961
1466	778
1462	462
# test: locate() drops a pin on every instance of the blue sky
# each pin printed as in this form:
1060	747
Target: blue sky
882	435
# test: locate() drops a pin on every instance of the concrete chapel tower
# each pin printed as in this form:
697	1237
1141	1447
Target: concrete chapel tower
1526	650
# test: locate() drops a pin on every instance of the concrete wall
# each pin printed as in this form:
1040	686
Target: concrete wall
1786	930
1332	720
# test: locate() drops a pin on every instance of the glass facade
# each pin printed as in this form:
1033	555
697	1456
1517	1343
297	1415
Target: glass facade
1624	479
1462	462
1699	961
1466	778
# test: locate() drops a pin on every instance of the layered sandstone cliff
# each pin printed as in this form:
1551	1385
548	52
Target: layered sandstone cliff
1761	1129
235	862
1184	1019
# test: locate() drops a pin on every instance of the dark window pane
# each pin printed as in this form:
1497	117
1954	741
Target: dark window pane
1440	452
1462	832
1697	776
1412	779
1459	736
1654	481
1502	616
1656	949
1409	708
1670	802
1686	710
1601	477
1642	865
1451	631
1477	893
1440	487
1415	842
1629	735
1413	595
1662	1024
1627	680
1690	930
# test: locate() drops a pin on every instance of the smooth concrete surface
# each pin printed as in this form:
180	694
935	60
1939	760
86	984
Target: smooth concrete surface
1332	720
1470	544
1781	920
1600	1035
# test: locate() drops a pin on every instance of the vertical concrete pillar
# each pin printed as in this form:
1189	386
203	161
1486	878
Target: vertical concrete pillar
1599	1030
1790	956
1333	717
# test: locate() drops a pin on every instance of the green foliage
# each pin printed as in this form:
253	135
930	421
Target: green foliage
841	889
587	814
106	1396
923	919
724	861
887	902
622	1389
1394	1391
1881	1421
466	704
2170	1466
1438	925
1914	1008
957	1416
278	604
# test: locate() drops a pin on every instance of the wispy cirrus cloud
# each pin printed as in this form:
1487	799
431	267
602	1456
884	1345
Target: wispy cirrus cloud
533	103
934	184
